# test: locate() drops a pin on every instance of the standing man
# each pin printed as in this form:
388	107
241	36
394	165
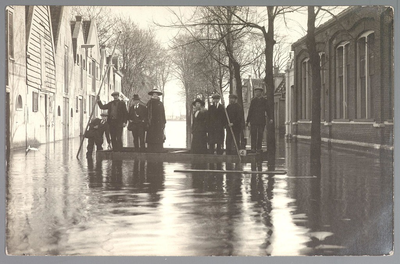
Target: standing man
235	113
117	117
156	119
199	128
258	112
97	128
216	123
137	122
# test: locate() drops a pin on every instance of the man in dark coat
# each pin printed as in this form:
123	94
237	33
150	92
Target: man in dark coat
137	122
258	112
216	123
235	113
97	128
117	117
199	128
156	122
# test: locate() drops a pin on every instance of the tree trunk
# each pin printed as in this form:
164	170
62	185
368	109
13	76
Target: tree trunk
188	119
315	149
239	87
269	82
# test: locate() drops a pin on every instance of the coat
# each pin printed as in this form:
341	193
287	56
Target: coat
235	113
156	121
137	116
97	129
258	111
122	113
199	131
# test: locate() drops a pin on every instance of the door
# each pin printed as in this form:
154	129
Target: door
66	118
81	117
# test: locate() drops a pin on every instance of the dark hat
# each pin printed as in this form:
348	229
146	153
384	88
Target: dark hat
216	96
258	88
155	90
115	93
136	97
198	100
233	96
104	114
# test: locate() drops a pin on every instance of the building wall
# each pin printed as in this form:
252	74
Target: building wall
357	90
16	76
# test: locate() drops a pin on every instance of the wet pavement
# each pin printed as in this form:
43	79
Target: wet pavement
59	205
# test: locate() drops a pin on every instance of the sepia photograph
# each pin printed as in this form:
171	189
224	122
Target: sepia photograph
199	130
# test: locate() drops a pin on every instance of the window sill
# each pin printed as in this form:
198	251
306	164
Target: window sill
304	121
19	109
340	120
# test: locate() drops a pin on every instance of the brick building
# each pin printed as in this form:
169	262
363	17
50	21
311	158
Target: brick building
356	56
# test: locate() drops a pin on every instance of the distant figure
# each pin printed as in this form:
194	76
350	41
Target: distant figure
117	117
156	119
258	112
216	123
95	134
235	113
137	122
199	128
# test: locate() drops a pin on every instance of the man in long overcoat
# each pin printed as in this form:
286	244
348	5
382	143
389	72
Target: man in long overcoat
216	123
156	122
199	128
258	113
137	122
235	113
97	128
117	117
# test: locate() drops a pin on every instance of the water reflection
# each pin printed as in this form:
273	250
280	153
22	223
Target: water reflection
60	205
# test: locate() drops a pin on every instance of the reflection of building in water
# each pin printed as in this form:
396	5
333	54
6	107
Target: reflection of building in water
352	200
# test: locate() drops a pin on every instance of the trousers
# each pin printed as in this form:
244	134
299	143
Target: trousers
256	133
116	135
138	133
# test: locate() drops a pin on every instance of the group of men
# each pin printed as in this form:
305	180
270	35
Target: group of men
146	122
208	125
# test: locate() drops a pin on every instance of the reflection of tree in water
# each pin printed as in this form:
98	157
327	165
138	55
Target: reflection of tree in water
262	195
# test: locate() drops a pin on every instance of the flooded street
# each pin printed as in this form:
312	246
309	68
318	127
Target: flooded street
59	205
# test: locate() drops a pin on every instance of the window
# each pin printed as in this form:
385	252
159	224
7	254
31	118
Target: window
322	59
342	81
97	72
90	68
84	64
77	59
305	93
66	70
18	104
365	74
77	104
50	104
72	112
59	111
35	101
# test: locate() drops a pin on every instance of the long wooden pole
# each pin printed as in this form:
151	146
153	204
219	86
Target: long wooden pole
98	93
230	128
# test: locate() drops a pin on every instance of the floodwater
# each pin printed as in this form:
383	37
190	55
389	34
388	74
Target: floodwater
60	205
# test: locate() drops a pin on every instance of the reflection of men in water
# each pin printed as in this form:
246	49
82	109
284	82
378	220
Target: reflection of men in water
137	121
199	128
257	119
117	117
97	128
235	113
156	118
216	123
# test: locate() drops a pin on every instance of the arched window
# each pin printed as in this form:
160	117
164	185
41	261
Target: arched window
305	94
322	60
72	112
59	111
19	103
342	80
365	74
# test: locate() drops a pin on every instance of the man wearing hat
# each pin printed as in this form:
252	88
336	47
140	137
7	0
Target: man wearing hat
97	128
258	112
235	113
156	122
117	117
137	117
199	128
216	123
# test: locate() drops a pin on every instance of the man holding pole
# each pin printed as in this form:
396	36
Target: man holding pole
235	113
117	117
216	123
258	112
